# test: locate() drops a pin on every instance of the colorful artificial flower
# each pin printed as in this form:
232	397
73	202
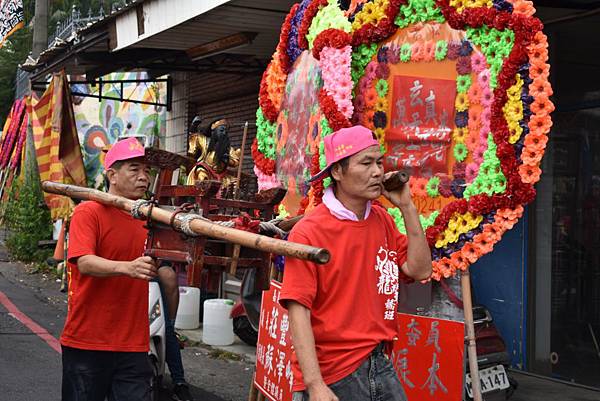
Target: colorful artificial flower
463	83
441	50
460	152
461	102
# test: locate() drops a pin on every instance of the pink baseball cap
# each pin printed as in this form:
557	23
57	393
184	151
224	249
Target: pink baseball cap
345	143
125	149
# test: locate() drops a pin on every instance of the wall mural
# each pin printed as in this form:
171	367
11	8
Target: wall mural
100	123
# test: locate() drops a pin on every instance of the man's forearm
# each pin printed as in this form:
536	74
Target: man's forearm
99	267
418	257
304	343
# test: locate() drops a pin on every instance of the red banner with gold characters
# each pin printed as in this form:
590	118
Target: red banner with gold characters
11	18
273	376
428	357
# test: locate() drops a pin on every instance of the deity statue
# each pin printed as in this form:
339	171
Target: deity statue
213	153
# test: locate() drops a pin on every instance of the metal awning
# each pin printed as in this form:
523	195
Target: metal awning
101	48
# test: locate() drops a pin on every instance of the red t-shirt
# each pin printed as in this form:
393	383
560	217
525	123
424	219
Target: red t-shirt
106	313
353	298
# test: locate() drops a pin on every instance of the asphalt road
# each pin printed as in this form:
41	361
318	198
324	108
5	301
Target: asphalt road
30	364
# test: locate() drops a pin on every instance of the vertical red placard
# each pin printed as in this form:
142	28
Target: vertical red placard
273	375
428	357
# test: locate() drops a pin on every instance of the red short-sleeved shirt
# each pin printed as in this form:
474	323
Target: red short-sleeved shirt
353	298
106	313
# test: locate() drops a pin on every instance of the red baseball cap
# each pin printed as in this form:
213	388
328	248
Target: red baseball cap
125	149
345	143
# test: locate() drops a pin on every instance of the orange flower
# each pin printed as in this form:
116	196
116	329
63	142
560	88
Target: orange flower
472	140
539	54
494	231
444	266
540	87
474	119
429	51
417	52
540	40
540	124
532	157
371	97
474	93
523	7
536	141
470	252
504	223
485	242
538	69
418	186
542	106
512	214
435	274
529	174
459	262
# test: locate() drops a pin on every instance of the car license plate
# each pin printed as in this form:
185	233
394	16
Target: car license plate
493	378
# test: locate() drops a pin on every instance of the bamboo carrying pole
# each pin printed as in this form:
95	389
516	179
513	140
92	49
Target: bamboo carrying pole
465	281
199	226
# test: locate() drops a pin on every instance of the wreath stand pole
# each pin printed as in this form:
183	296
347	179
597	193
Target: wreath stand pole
236	248
465	281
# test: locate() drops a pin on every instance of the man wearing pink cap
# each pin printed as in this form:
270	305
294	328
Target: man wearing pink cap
105	340
343	313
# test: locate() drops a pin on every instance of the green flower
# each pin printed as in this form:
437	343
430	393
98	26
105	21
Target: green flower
463	83
433	185
265	135
330	16
382	87
405	52
441	49
327	182
460	152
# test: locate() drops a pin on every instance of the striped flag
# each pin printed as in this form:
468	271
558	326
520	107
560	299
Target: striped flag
11	18
56	143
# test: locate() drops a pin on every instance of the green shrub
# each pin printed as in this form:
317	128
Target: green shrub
28	221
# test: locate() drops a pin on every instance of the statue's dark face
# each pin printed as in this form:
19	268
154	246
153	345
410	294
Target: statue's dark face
220	130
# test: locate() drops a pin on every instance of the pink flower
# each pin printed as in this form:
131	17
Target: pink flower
370	70
478	62
471	172
266	181
478	154
487	97
483	78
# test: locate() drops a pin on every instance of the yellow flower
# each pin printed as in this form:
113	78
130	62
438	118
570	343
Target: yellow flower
382	104
459	135
462	102
380	134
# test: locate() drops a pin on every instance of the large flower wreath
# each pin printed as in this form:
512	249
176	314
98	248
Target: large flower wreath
501	109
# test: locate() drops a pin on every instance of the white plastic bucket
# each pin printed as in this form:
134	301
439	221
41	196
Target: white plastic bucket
217	325
188	312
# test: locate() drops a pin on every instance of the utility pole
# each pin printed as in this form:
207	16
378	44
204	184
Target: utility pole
40	28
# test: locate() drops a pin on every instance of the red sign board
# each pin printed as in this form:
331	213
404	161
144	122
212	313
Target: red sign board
428	354
273	375
419	133
428	357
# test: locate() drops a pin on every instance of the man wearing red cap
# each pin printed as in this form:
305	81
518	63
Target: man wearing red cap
343	313
105	340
